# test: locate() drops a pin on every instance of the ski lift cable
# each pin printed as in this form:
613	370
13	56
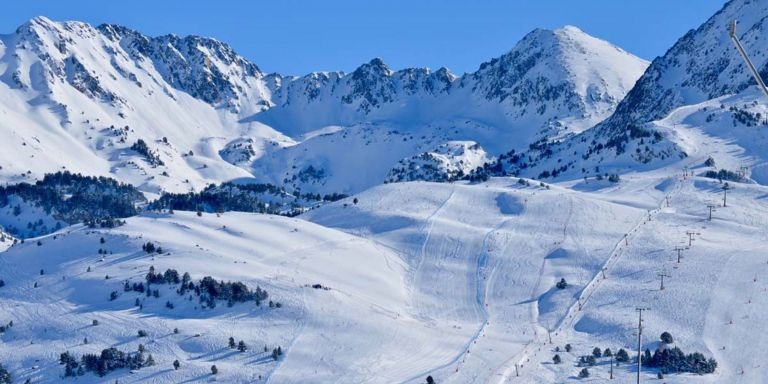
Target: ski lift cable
747	61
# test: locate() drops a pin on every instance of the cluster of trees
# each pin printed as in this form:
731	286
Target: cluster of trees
612	177
207	289
4	328
152	158
562	284
33	228
674	360
107	361
75	198
667	359
260	198
136	287
308	174
5	376
632	132
622	356
170	276
587	360
241	346
232	292
591	360
276	353
150	247
746	117
724	174
553	173
496	168
104	222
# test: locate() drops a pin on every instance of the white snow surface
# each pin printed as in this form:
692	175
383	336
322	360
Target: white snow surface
452	280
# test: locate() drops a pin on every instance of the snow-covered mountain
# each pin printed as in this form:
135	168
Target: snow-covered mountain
563	76
551	84
702	69
702	65
486	280
80	97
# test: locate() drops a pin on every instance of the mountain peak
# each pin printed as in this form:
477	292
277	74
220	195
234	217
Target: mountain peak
376	66
565	69
569	29
37	23
42	24
41	20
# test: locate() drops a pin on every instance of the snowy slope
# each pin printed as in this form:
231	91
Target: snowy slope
462	255
480	259
318	329
456	281
382	298
713	301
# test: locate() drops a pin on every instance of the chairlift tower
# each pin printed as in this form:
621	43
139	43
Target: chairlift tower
711	208
640	338
690	236
679	251
662	275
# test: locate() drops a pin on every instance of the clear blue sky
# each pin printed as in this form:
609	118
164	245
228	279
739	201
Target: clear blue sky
296	37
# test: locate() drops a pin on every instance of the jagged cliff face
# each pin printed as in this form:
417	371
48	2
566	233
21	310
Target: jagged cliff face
205	68
210	115
75	52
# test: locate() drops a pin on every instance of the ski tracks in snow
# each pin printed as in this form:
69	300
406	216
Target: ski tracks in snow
532	357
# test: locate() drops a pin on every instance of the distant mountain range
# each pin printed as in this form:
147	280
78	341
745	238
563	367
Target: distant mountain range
560	104
79	97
